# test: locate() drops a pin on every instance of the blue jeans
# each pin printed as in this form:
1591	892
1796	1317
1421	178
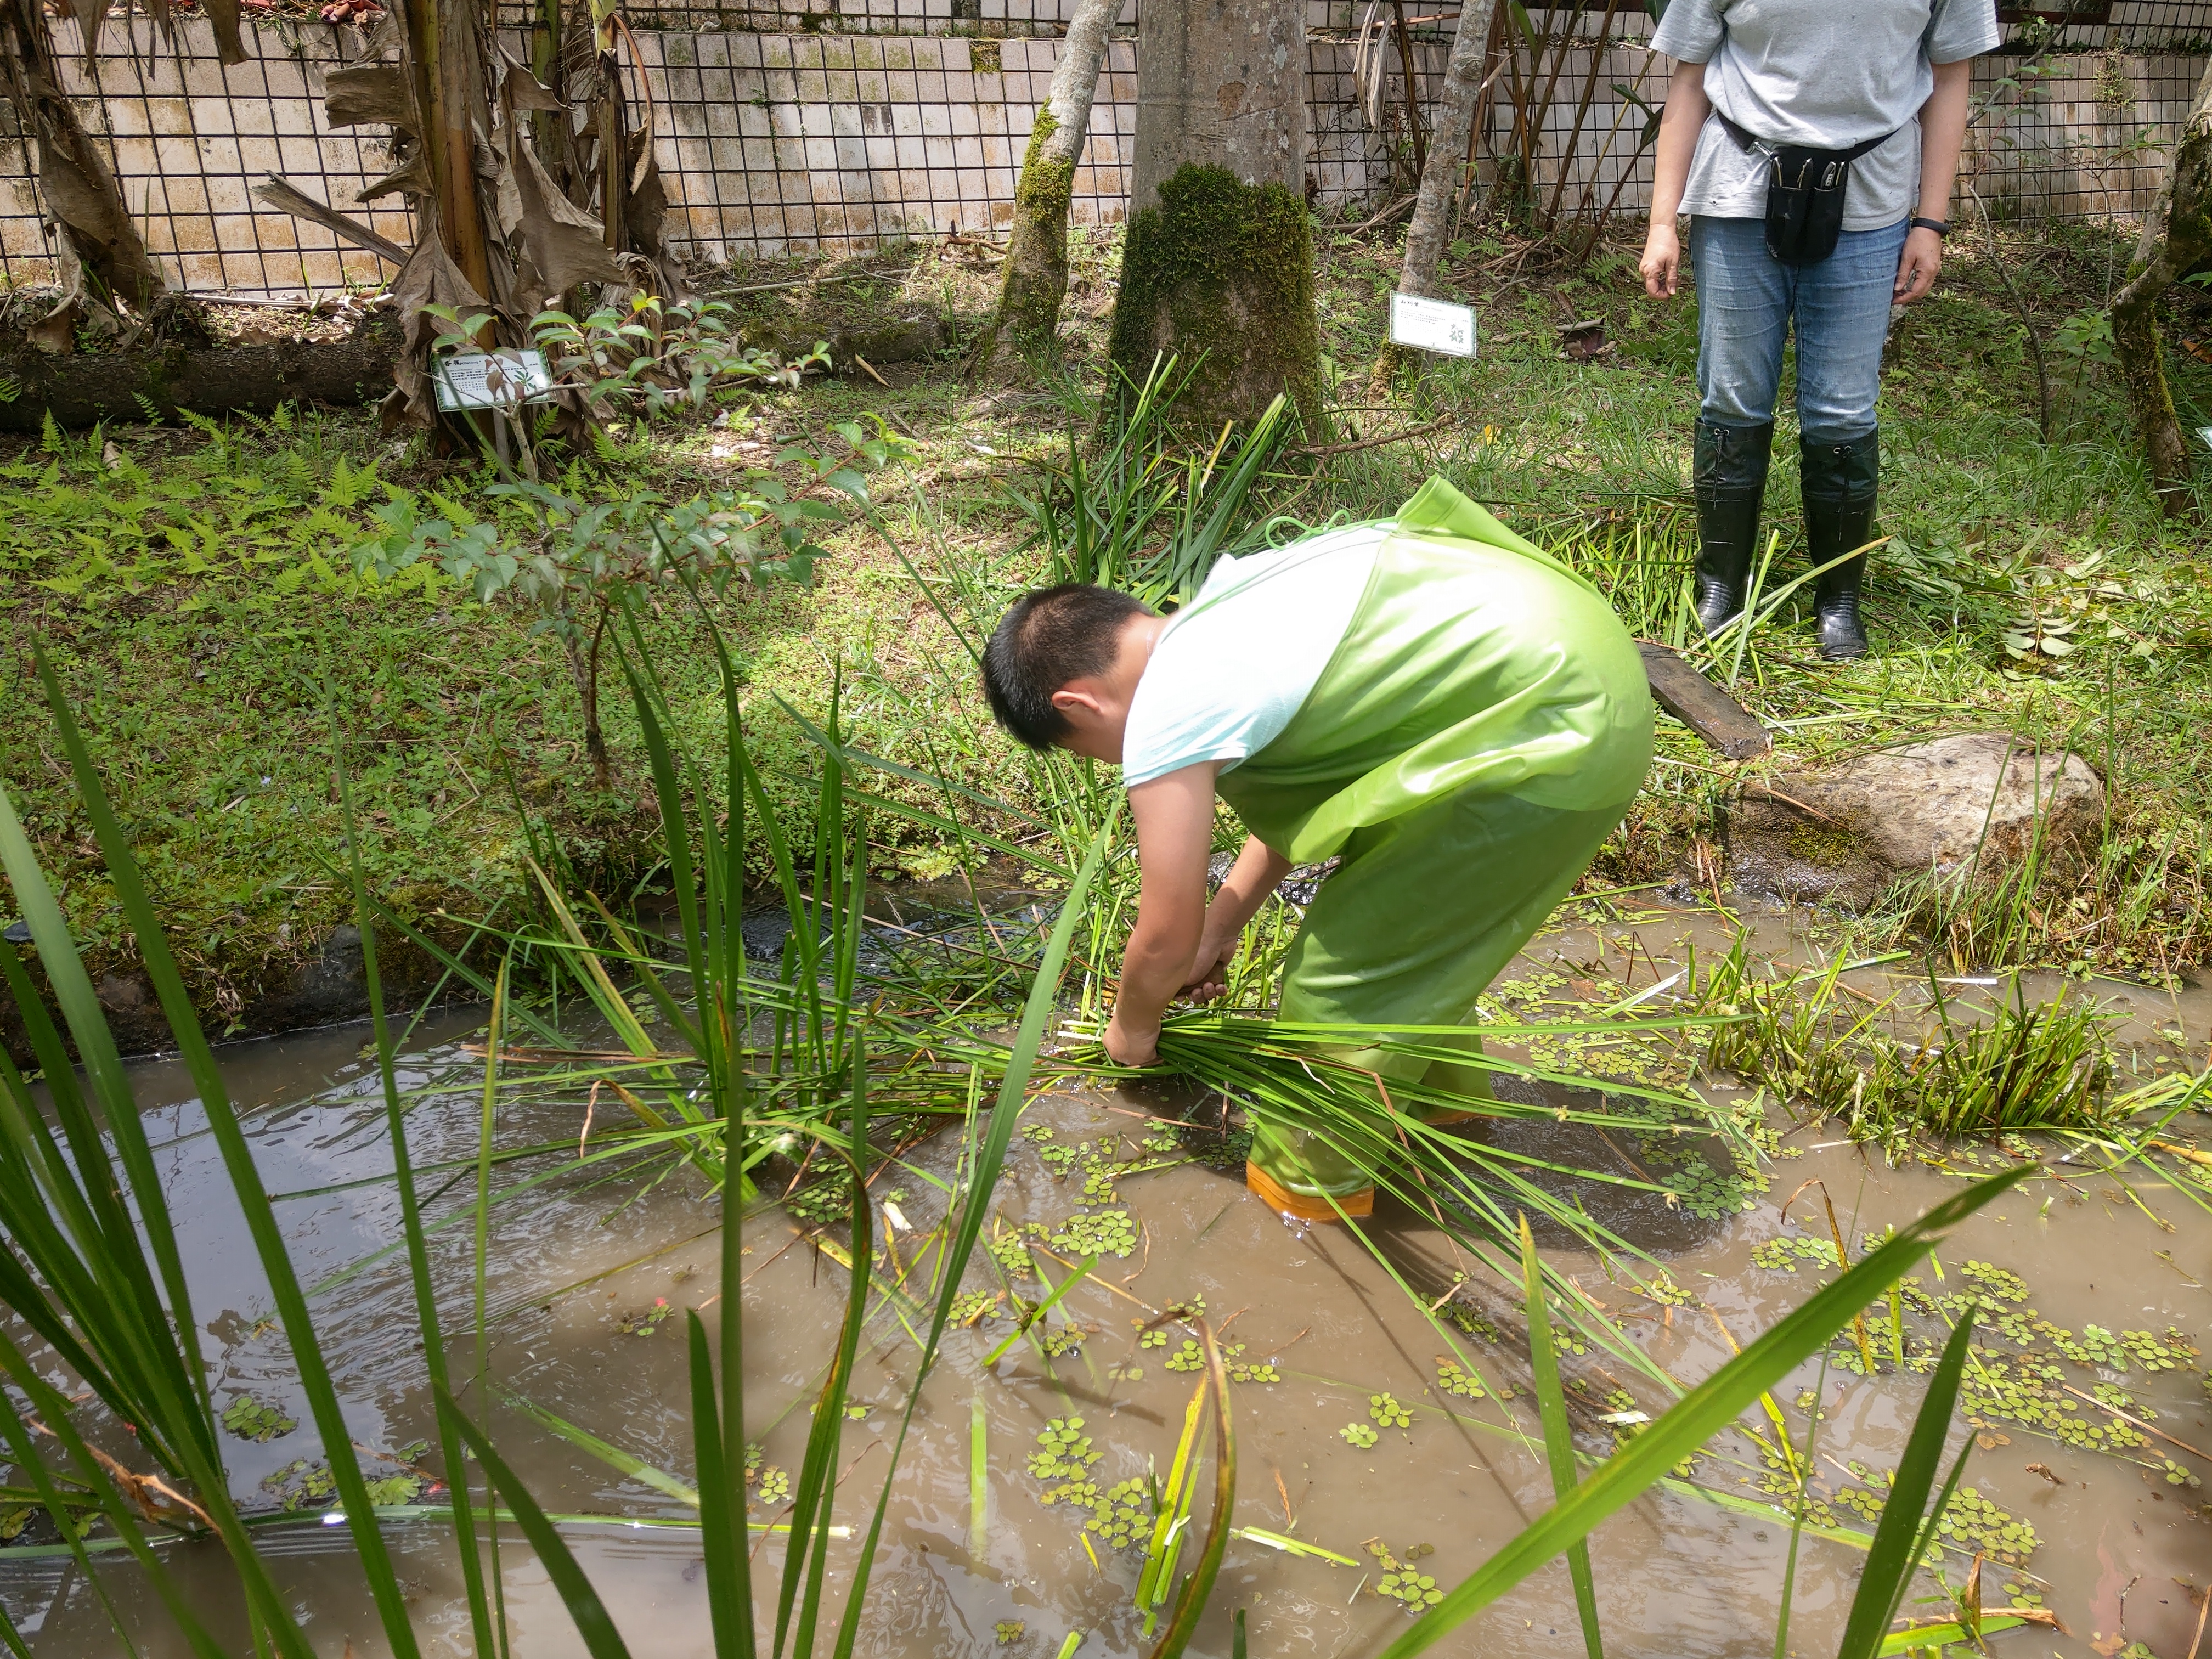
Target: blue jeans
1747	302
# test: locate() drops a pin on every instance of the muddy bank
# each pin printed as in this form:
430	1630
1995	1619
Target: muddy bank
328	988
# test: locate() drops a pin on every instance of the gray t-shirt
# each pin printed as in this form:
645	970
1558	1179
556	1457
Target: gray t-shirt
1826	74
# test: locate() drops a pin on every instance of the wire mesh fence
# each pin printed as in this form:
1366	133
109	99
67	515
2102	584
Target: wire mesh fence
913	123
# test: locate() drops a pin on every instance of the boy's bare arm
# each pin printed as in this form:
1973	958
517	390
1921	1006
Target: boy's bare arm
1175	836
1258	871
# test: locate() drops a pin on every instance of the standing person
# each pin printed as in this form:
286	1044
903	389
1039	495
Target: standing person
1430	697
1779	112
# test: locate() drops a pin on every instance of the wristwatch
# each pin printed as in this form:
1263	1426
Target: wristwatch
1940	226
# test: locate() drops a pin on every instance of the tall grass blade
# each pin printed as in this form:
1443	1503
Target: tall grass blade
89	1025
594	1625
1699	1415
983	1168
1558	1432
48	1402
816	1490
979	1477
1900	1539
411	1208
1198	1589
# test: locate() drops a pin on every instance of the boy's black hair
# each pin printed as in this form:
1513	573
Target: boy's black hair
1050	636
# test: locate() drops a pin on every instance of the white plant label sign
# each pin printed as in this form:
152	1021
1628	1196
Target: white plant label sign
1433	324
492	379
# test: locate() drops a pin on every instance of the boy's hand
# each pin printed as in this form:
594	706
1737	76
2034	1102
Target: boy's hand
1126	1047
1209	980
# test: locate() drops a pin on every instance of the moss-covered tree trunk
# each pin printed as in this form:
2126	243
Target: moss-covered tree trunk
1036	254
2177	235
1217	267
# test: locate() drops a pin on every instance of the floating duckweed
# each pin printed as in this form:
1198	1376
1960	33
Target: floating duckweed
1034	1132
1012	1255
1473	1323
303	1484
1248	1371
2176	1475
1701	1190
1009	1630
2154	1355
256	1421
1187	1358
2097	1347
1389	1413
1162	1142
1783	1255
775	1484
2113	1395
644	1321
1108	1232
1061	1340
2015	1326
2004	1286
1974	1521
1122	1515
1098	1187
1061	1159
826	1199
1404	1583
1359	1434
1664	1290
1065	1455
972	1307
1154	1338
1454	1381
1191	1307
754	1457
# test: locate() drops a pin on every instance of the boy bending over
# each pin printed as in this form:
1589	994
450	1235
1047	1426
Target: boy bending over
1463	720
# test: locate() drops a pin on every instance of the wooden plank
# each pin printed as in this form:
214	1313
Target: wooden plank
1702	706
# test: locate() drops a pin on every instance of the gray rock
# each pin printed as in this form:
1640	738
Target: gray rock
1957	807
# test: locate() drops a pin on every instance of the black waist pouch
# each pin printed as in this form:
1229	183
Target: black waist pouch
1804	193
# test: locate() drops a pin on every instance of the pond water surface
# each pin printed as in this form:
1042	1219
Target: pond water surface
579	1270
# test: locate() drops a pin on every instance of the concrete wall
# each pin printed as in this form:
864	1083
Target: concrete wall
806	142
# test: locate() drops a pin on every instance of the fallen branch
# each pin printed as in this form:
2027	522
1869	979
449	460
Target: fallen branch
2128	1417
287	198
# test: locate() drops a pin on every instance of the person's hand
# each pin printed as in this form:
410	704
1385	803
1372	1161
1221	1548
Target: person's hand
1209	979
1918	266
1126	1047
1662	261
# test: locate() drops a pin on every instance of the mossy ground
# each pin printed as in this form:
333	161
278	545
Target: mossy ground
194	594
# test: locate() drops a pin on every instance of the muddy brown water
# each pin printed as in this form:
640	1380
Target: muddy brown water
576	1267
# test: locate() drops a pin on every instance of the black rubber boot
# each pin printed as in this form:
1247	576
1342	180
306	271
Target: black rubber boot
1728	470
1840	483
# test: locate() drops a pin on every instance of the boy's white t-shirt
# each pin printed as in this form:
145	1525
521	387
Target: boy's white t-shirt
1235	665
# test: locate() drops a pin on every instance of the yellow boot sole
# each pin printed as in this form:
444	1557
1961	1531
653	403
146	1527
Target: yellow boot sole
1300	1207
